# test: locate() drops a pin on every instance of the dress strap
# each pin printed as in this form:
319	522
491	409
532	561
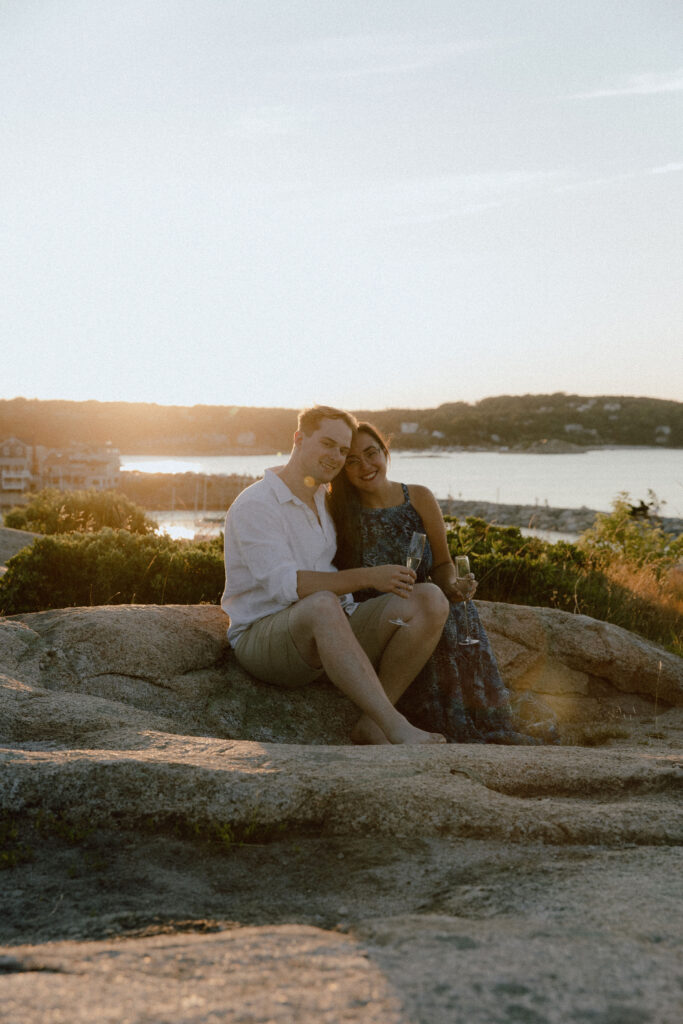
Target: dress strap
406	493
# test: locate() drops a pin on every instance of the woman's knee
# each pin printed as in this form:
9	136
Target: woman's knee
433	600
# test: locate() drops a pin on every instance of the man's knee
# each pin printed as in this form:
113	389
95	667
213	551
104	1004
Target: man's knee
432	600
320	609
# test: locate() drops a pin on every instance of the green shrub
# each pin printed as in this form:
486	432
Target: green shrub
618	536
521	570
51	511
111	567
526	570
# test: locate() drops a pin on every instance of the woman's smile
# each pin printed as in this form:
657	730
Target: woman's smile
366	466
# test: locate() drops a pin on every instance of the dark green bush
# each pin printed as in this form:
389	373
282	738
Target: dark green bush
52	511
522	570
111	567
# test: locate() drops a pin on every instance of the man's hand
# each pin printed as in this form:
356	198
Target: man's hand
392	579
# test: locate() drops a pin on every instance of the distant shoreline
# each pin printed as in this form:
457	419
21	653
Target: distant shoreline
540	517
435	450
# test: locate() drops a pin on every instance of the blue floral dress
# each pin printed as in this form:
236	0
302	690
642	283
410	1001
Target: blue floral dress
459	692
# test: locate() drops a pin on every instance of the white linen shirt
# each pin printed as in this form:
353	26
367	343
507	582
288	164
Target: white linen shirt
270	535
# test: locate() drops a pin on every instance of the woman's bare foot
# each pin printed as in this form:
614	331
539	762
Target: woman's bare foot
404	732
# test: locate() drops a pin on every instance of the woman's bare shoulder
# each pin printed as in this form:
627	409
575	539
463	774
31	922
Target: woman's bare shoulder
422	497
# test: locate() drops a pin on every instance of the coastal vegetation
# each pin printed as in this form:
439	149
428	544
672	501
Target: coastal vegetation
623	569
53	511
507	420
111	567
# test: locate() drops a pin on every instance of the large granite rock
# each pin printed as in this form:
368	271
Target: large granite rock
149	702
73	674
150	788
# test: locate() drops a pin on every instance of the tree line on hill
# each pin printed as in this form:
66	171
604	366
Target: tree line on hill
507	420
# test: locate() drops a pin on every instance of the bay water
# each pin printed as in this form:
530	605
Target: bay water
590	479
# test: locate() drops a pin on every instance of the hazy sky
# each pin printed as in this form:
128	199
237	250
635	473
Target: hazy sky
371	203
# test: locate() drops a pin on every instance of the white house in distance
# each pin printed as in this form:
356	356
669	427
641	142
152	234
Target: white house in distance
79	468
25	468
16	469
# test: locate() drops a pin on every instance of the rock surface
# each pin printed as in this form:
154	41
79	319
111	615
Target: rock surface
13	541
70	674
192	845
571	521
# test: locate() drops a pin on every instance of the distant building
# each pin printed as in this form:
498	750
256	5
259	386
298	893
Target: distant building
25	468
16	470
247	437
577	428
79	468
409	428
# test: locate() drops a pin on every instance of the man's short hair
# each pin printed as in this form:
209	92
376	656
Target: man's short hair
310	419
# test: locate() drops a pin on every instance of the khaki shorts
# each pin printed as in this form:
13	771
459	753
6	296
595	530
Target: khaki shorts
266	649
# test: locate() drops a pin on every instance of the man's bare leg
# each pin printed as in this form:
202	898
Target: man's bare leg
321	631
407	649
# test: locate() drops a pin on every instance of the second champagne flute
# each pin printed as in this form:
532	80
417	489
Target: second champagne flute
462	571
413	558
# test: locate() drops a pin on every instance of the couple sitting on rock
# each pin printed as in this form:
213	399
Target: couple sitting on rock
317	583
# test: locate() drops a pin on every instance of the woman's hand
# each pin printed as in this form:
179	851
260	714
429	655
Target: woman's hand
392	579
460	590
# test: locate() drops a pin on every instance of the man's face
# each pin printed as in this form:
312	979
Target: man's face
323	453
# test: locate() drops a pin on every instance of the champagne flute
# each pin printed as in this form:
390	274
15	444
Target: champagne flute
462	571
413	558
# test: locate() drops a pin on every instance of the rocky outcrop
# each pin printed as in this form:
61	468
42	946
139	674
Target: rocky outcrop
148	701
264	869
13	541
569	521
70	674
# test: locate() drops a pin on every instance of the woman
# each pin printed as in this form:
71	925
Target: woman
459	692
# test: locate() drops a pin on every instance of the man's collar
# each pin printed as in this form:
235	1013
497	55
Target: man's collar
280	488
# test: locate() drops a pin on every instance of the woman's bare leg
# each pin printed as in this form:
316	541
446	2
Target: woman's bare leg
408	647
321	631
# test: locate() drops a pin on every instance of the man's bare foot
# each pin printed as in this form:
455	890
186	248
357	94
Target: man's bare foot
366	731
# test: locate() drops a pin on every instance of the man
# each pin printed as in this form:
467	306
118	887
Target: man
292	616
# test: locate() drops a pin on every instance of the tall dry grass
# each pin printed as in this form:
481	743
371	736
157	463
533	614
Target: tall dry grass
646	603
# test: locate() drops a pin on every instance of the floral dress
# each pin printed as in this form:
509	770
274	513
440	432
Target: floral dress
459	692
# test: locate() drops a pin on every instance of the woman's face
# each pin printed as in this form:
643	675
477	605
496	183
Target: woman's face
366	463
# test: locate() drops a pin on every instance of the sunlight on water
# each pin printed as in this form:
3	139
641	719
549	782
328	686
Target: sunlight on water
178	531
158	464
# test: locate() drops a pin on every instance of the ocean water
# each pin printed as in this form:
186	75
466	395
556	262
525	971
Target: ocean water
589	479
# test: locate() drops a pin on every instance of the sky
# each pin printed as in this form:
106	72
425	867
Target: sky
395	203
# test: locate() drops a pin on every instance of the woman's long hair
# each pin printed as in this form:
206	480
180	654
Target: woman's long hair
344	503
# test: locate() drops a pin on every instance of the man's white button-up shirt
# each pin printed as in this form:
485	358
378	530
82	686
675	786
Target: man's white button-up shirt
270	535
